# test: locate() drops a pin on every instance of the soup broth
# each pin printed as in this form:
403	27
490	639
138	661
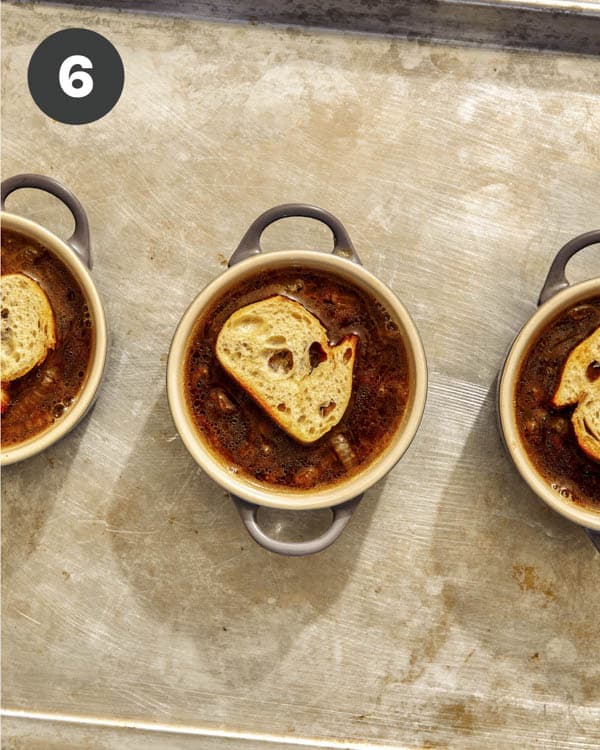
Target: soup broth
547	432
253	444
45	393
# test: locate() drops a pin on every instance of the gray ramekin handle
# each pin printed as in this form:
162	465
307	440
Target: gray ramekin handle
250	244
556	279
80	239
341	516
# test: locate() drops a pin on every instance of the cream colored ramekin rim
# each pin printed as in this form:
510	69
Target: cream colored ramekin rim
506	400
277	498
90	388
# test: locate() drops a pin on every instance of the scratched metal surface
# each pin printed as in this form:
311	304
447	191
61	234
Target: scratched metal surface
456	610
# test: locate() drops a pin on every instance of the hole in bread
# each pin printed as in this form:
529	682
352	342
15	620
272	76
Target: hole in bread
593	371
282	361
5	312
276	340
316	354
327	408
347	354
281	407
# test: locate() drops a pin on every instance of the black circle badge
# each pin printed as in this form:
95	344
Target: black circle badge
75	76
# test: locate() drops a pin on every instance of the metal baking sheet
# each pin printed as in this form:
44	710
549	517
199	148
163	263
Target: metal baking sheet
457	610
538	24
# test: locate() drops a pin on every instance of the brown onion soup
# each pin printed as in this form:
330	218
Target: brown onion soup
242	433
547	432
45	393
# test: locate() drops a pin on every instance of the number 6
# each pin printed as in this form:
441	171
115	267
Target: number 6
66	78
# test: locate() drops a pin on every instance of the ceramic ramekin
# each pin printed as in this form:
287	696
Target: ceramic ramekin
556	297
342	497
76	255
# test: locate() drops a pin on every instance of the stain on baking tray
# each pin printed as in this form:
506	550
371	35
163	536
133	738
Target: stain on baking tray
426	649
179	544
457	715
528	579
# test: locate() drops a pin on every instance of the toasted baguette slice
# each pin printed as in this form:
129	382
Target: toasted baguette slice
279	353
28	329
586	421
574	380
579	386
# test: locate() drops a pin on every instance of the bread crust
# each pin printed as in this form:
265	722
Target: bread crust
4	397
586	422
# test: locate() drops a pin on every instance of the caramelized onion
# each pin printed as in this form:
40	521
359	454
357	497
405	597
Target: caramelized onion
343	451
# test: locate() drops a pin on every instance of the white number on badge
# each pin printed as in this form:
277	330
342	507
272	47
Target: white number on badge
67	79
